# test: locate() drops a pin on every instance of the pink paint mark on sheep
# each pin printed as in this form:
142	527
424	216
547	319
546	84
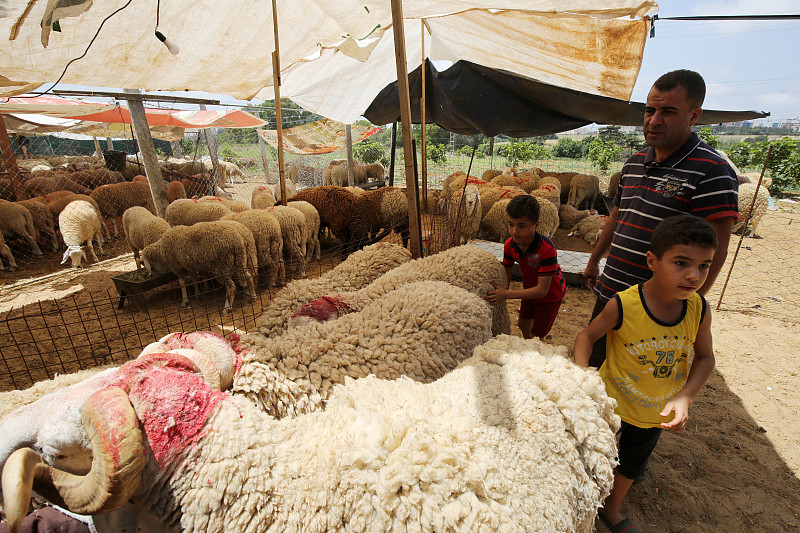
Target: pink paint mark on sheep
323	309
172	402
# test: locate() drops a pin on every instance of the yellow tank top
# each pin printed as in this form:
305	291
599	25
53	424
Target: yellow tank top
647	360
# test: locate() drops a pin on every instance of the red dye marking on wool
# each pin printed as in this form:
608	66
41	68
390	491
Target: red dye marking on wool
322	309
173	407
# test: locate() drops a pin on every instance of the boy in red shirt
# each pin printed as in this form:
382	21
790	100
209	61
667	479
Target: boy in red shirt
543	286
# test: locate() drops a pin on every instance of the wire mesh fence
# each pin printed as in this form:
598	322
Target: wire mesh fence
90	327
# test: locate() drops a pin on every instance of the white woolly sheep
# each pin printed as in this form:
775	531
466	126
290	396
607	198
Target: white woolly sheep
252	253
186	212
568	216
464	214
548	218
142	228
468	267
515	439
589	228
115	198
268	240
16	221
494	226
583	189
223	255
294	232
312	227
747	191
57	201
42	221
234	205
547	191
491	194
262	198
357	271
527	182
421	330
80	224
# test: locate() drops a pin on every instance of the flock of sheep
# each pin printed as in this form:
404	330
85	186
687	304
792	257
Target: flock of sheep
385	395
477	207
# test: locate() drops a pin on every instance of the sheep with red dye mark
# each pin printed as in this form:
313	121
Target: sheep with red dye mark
468	267
357	271
515	439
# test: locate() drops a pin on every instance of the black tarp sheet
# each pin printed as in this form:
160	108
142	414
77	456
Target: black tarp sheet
468	98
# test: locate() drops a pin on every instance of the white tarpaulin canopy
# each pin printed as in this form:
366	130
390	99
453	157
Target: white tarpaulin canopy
336	56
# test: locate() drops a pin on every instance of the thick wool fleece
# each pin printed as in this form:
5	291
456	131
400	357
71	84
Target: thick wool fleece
467	266
421	330
357	271
516	439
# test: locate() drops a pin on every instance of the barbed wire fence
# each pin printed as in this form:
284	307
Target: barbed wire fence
90	328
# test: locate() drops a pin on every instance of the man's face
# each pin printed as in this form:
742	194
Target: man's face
668	120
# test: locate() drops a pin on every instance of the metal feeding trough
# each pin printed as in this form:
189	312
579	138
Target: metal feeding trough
133	284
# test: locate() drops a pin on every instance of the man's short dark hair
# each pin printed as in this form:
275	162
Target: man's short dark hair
524	206
682	229
688	79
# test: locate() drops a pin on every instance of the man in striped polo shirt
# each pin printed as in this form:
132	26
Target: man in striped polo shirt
677	173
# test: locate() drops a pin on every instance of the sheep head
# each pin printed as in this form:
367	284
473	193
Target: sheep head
160	395
75	253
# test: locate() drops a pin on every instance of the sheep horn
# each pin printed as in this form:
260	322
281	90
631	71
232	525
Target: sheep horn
117	463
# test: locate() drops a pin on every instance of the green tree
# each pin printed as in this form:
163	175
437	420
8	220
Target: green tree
437	153
708	137
739	153
784	162
570	148
612	135
602	153
369	151
291	114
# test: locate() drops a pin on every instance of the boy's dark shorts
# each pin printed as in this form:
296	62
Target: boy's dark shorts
635	446
543	315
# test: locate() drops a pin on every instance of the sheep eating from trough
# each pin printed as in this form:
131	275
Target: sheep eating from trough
205	249
515	439
80	223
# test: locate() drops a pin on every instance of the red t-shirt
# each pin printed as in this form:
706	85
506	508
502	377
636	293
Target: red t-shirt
540	259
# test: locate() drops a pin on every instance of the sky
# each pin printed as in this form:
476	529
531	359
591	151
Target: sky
747	65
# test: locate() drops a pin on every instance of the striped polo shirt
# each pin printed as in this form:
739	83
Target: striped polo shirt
540	259
694	179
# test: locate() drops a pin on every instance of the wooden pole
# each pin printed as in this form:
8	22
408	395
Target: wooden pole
393	154
263	148
10	162
109	143
176	149
424	148
212	151
412	186
151	168
276	82
98	150
349	141
491	152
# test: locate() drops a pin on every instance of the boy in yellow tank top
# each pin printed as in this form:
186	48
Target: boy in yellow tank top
650	328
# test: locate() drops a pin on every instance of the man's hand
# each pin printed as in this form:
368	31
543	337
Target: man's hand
590	275
498	294
680	405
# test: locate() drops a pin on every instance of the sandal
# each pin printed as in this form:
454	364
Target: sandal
623	526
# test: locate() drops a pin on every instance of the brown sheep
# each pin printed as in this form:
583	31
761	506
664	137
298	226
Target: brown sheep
175	191
40	185
115	198
335	206
141	178
42	220
95	177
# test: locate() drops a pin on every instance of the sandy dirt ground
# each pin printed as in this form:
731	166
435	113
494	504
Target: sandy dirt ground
736	468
